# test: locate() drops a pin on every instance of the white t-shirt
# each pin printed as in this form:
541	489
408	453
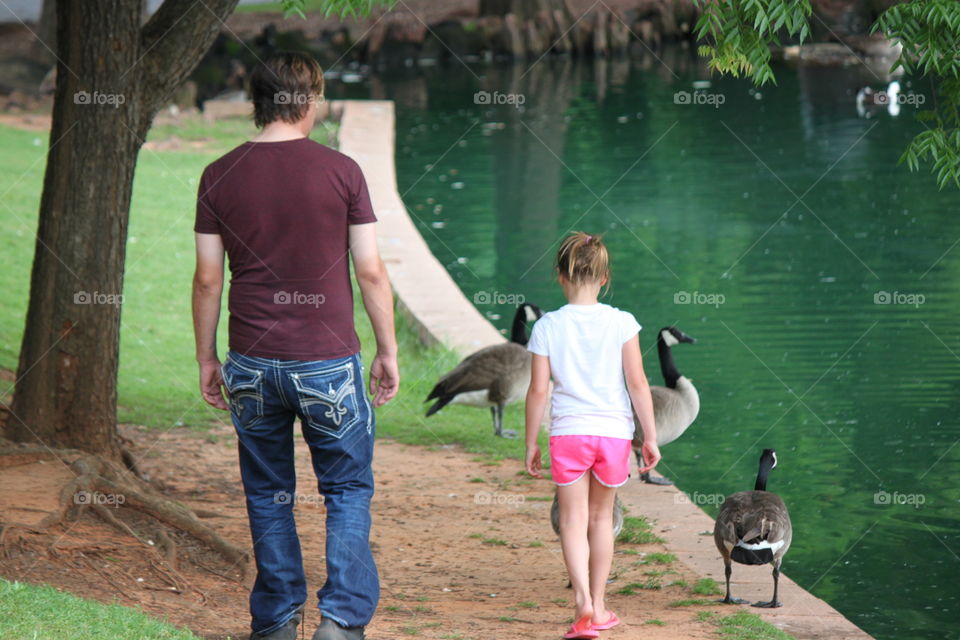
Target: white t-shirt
585	345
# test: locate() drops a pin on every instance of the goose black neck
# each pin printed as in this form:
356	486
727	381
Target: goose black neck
761	484
518	332
667	367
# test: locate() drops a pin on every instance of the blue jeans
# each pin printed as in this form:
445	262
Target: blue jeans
337	423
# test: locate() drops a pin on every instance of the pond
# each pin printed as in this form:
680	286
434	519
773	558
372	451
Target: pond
775	227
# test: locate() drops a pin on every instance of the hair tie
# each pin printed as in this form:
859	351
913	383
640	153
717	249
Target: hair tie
589	238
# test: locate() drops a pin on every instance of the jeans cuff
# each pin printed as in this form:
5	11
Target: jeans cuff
340	621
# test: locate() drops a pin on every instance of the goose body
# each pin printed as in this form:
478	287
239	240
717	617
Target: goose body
493	377
753	527
675	406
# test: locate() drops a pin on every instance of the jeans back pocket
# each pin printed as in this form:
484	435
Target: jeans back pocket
245	390
328	398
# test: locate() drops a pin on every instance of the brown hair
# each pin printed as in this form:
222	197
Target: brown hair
283	86
583	258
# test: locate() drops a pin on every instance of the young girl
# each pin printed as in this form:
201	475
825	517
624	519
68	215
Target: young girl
592	352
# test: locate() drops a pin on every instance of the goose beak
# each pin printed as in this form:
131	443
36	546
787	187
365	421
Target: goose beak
688	339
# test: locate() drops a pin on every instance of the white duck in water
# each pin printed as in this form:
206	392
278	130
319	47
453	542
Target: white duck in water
869	100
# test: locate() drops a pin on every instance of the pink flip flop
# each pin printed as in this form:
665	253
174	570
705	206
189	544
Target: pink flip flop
611	622
582	629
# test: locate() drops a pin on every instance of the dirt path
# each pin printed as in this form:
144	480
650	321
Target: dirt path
464	547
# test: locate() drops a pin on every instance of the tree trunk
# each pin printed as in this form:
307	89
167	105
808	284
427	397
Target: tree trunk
113	75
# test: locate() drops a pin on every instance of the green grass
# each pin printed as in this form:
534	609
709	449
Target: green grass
647	585
658	558
31	611
691	602
636	530
656	622
706	587
535	543
748	626
496	542
529	604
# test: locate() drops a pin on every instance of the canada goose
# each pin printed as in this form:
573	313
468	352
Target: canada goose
753	527
675	406
868	100
492	377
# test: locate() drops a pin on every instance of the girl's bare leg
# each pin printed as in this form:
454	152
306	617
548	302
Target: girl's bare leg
600	536
574	519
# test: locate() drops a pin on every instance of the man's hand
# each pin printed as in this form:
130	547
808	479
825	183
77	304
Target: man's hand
384	378
534	463
211	384
651	456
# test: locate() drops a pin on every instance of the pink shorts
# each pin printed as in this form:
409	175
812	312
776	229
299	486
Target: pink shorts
573	456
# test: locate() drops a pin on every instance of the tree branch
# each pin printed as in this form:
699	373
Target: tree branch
173	41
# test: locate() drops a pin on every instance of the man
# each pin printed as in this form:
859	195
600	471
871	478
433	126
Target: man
288	212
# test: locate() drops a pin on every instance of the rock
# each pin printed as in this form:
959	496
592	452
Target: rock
185	97
840	17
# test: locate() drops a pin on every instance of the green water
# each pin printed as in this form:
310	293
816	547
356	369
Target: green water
793	353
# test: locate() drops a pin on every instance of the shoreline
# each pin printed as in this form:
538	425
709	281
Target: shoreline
441	314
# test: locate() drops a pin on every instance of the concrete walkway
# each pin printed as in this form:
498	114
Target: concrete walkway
441	313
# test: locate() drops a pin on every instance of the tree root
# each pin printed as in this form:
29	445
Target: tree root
98	481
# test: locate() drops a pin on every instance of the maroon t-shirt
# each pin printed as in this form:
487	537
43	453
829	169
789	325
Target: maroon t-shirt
283	210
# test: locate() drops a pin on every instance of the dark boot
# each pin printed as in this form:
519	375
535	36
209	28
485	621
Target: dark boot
330	630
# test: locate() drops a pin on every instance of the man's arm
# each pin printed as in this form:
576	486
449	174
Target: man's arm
207	289
378	301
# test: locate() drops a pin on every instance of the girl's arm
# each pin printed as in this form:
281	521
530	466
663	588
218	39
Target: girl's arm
639	390
536	405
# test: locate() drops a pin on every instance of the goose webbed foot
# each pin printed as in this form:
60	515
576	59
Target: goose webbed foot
729	600
508	433
659	480
773	604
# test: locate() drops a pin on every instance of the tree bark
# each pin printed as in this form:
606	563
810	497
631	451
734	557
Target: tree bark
113	75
